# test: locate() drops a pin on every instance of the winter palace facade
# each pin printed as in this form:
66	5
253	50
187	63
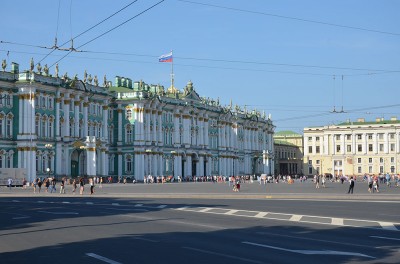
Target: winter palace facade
65	126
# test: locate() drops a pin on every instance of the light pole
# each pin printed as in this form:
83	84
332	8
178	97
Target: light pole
49	147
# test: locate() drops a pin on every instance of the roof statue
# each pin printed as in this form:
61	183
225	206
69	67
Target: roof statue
4	65
90	79
105	84
56	70
46	70
84	76
32	65
96	81
39	68
218	101
65	77
237	108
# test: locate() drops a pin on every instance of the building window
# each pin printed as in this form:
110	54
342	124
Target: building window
316	138
348	148
317	162
391	169
310	149
348	137
380	136
380	160
369	136
369	160
380	169
359	136
369	169
337	137
380	147
370	147
359	169
310	162
310	170
391	159
358	160
391	136
128	164
337	148
317	149
392	147
309	138
359	147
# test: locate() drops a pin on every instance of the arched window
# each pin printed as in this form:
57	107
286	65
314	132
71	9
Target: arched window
129	114
128	164
128	134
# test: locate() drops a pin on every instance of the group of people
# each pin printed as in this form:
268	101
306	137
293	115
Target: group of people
50	184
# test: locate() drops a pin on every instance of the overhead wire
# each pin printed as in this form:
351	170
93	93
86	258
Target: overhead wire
291	18
92	27
110	30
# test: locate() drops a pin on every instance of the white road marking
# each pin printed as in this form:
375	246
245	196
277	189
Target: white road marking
311	252
337	221
41	201
145	239
231	212
138	205
182	208
162	206
133	209
295	218
223	255
387	226
261	214
15	201
107	260
373	224
89	203
65	202
388	238
116	204
59	213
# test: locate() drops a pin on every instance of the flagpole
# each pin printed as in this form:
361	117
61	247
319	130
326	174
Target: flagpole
172	71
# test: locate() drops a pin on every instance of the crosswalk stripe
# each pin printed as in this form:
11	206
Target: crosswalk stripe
296	218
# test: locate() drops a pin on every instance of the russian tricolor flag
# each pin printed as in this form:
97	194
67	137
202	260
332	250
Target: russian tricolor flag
166	57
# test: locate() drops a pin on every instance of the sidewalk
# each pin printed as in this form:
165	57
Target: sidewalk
208	190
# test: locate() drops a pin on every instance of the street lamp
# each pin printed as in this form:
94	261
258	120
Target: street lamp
48	171
49	147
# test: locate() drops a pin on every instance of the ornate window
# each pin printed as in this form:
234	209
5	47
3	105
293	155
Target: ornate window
128	134
9	125
128	164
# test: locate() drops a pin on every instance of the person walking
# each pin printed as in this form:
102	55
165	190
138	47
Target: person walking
74	186
323	180
351	187
34	183
53	185
91	183
316	181
10	182
82	186
39	185
62	187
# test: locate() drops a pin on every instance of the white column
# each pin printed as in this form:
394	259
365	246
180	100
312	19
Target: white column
105	123
76	117
85	118
201	166
365	147
154	162
159	132
154	131
120	128
206	131
176	127
375	142
386	145
91	155
66	116
343	147
188	166
58	158
120	172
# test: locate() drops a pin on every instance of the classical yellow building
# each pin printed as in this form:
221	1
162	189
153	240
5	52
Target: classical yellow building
353	148
288	147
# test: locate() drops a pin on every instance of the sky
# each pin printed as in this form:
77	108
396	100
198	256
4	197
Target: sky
296	60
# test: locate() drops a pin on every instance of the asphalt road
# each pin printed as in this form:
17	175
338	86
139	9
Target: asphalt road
107	228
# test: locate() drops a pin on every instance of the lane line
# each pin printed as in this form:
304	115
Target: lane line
314	239
138	205
59	213
161	206
107	260
145	239
89	203
337	221
388	238
66	202
311	252
15	201
21	217
261	214
295	218
231	212
204	210
132	209
115	204
224	255
182	208
388	226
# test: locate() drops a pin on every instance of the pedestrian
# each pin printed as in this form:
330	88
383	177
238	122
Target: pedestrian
91	182
10	182
53	185
82	186
316	178
34	184
370	180
375	185
74	186
39	185
62	187
101	182
323	180
24	183
351	187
